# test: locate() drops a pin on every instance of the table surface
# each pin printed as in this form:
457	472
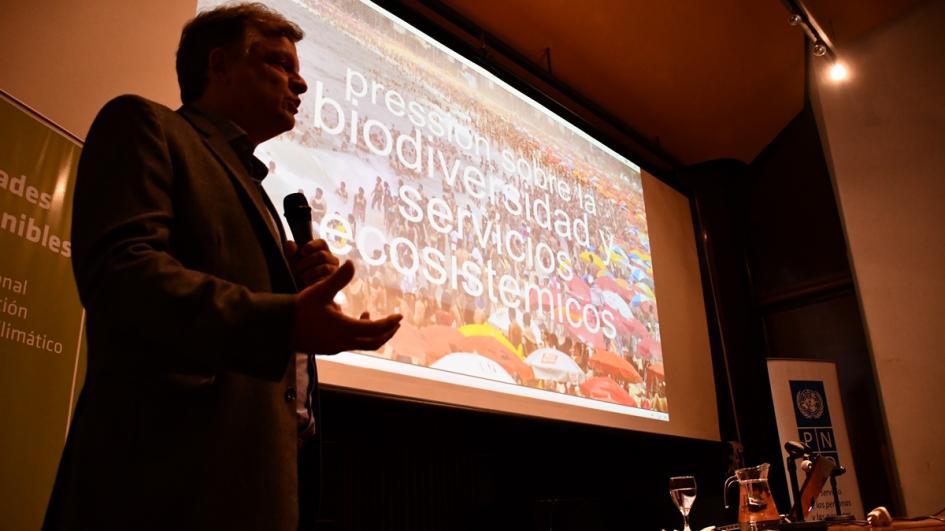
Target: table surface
928	524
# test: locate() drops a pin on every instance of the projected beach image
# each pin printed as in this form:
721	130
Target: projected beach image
515	246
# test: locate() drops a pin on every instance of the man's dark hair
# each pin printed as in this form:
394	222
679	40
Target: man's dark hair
224	27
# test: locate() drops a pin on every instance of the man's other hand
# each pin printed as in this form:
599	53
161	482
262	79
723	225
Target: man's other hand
320	327
311	263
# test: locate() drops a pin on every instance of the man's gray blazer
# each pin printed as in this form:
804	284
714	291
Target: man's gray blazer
187	418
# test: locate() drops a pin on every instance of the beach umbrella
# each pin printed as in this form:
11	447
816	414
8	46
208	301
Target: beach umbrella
499	353
616	302
617	253
635	327
606	283
500	320
624	288
645	242
638	299
656	369
647	281
603	388
592	258
649	348
487	330
439	341
581	332
624	326
564	264
641	255
606	361
551	364
643	288
409	342
637	274
473	364
639	262
616	258
579	289
654	374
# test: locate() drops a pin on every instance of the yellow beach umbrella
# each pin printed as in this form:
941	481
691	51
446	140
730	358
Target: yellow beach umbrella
641	255
590	257
487	330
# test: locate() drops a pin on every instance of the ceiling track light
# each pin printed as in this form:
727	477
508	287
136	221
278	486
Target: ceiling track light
838	72
819	49
817	39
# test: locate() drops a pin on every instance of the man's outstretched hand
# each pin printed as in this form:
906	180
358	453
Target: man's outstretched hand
320	327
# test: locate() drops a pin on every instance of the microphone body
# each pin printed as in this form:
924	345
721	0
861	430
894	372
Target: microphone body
299	216
796	449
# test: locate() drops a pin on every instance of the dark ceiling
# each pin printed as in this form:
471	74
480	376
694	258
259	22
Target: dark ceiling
701	80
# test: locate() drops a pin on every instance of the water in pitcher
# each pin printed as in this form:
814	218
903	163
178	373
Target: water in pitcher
757	511
756	508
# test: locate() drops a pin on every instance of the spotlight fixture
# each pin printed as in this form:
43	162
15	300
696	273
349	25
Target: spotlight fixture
838	72
820	44
819	49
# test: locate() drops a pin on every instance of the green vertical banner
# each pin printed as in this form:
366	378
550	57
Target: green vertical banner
41	318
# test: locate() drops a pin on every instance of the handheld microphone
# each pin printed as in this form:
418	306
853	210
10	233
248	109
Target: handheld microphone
837	471
796	449
299	216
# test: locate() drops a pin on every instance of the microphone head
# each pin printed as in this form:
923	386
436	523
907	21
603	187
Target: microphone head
295	201
796	449
299	216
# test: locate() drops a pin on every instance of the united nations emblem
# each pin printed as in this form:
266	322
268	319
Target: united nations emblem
809	403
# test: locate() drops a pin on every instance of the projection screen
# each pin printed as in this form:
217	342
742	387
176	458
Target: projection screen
525	255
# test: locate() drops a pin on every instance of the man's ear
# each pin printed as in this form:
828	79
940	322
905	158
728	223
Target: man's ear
217	65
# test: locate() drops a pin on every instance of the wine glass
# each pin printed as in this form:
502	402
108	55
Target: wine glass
683	491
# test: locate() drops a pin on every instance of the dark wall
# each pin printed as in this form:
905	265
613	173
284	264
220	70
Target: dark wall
779	286
719	191
394	464
803	288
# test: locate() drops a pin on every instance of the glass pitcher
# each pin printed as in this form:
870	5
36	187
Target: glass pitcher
756	508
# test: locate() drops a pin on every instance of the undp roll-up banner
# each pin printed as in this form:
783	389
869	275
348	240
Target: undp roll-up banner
807	404
40	314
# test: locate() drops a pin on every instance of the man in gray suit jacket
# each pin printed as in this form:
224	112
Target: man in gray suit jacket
197	409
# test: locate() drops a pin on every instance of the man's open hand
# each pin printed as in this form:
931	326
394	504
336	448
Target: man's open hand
320	327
